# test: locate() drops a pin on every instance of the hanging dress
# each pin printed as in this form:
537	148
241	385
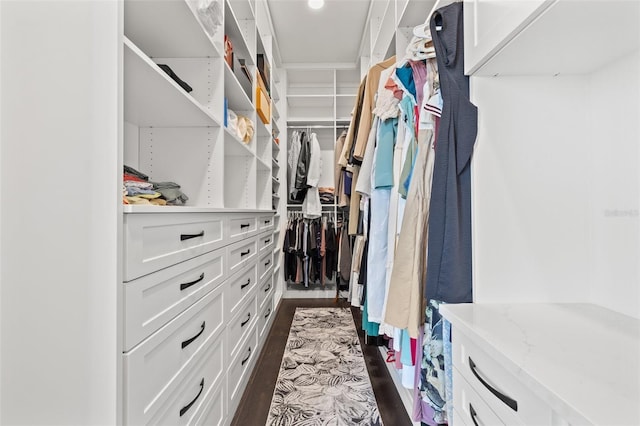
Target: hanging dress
449	240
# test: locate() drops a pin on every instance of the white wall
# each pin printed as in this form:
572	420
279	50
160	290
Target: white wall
556	188
59	213
530	190
614	128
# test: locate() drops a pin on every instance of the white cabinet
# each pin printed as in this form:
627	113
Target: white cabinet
540	364
186	323
556	194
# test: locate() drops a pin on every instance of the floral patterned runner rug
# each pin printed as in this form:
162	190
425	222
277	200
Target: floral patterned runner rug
323	378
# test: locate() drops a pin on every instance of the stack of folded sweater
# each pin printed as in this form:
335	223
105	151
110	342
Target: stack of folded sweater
137	189
326	195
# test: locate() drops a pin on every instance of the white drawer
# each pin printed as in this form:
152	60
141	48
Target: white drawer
239	287
265	290
238	326
242	226
240	369
211	412
240	254
156	241
265	242
458	420
153	300
500	389
156	365
469	405
264	318
265	265
179	403
265	222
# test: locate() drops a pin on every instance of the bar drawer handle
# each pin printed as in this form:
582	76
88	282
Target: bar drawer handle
190	236
244	253
189	341
511	403
243	323
245	284
268	288
266	222
244	225
267	263
189	284
268	313
247	358
473	415
184	409
267	241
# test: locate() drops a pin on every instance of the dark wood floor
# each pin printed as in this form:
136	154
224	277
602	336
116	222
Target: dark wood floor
254	406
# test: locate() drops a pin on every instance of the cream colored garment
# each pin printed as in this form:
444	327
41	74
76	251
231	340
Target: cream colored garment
405	305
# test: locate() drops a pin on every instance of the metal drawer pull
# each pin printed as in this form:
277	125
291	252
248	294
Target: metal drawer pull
186	407
268	288
267	262
189	341
473	415
242	324
189	236
511	403
246	284
187	285
244	253
266	222
268	313
267	241
247	358
244	225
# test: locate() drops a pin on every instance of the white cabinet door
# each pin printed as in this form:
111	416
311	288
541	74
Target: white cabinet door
490	24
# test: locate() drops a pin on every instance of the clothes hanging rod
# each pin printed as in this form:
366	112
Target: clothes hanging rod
316	126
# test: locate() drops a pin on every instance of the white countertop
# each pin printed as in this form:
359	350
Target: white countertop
582	359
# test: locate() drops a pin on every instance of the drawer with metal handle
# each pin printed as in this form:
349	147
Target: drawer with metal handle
265	242
266	314
241	366
240	254
153	300
266	222
265	290
470	405
157	240
503	392
240	287
242	226
265	266
158	365
239	325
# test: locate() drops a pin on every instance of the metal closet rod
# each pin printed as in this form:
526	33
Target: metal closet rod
316	126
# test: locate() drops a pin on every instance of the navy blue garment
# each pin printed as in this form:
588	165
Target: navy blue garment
449	243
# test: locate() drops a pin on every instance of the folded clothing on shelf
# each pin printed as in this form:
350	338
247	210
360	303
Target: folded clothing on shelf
137	189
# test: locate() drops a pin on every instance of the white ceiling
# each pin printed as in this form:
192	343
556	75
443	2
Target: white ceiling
330	36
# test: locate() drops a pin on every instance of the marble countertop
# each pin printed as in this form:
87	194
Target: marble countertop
582	359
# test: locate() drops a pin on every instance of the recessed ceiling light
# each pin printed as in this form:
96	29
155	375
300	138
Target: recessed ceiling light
316	4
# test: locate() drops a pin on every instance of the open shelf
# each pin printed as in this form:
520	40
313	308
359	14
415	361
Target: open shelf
237	98
241	43
168	29
152	98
